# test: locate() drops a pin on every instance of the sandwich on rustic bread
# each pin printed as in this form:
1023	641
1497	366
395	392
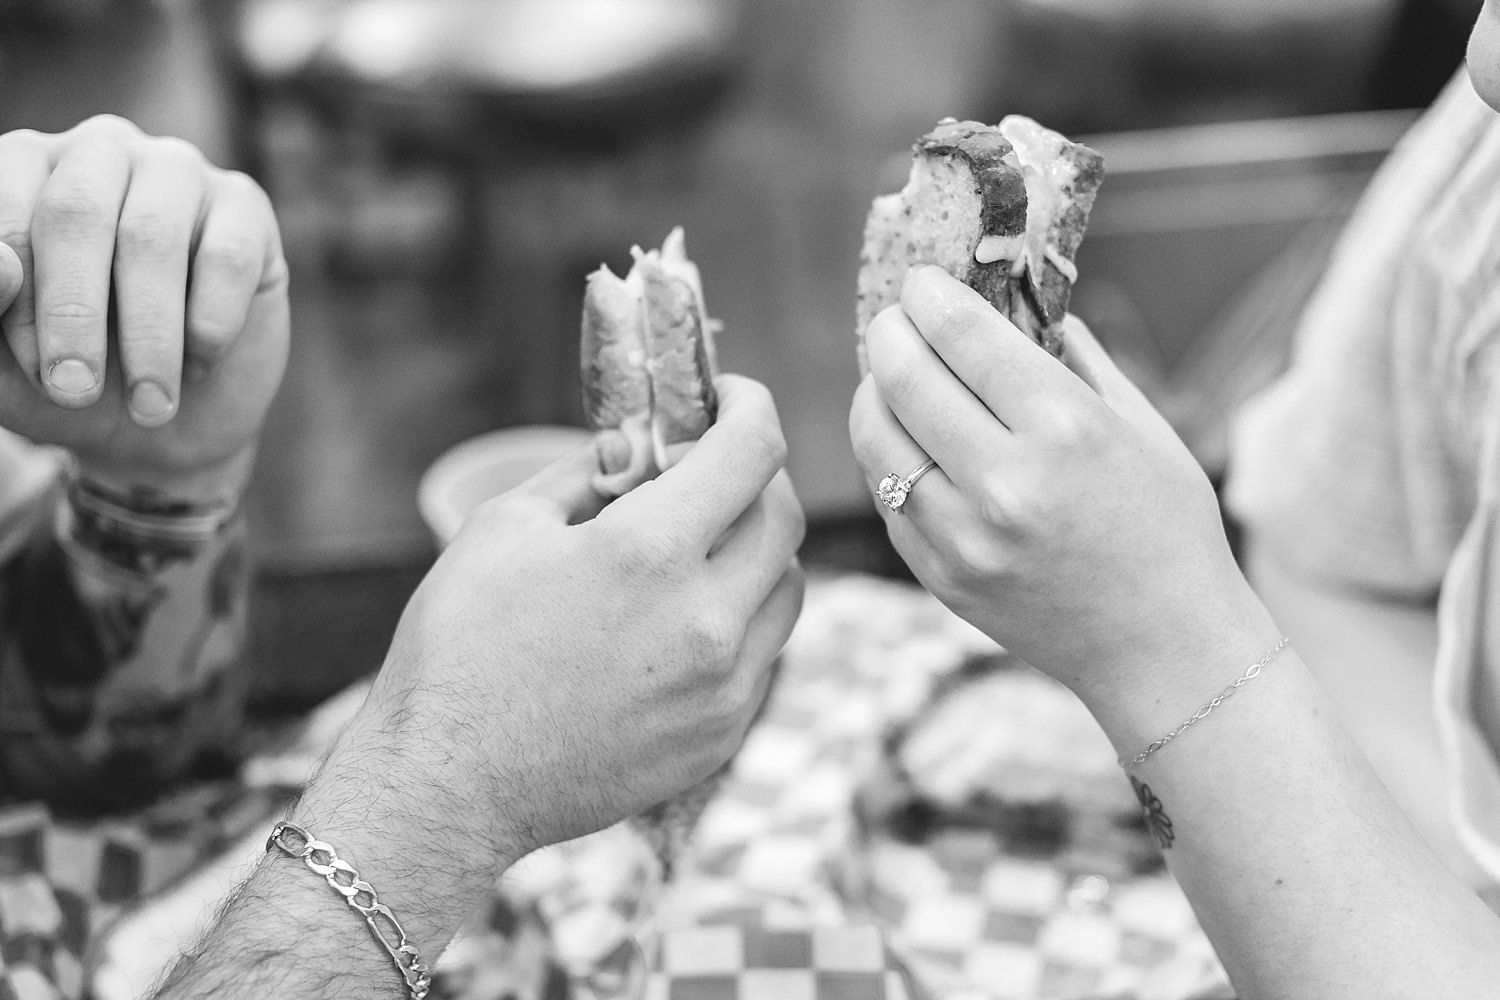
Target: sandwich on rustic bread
1002	208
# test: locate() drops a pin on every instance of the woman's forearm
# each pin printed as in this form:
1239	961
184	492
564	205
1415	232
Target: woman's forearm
1304	871
1375	656
124	633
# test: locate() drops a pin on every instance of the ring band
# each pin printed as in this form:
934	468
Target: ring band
893	489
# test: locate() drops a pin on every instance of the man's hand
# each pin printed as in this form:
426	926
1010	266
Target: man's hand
559	669
143	299
562	670
1064	517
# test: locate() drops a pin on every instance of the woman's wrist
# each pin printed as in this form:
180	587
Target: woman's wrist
1156	685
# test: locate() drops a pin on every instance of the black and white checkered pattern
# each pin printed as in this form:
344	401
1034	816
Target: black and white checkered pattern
61	882
782	897
747	959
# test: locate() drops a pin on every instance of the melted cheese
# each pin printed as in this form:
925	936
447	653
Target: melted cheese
1048	176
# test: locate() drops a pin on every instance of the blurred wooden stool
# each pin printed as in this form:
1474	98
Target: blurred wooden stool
543	118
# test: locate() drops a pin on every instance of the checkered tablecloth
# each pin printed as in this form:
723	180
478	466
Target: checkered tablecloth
964	914
784	894
63	884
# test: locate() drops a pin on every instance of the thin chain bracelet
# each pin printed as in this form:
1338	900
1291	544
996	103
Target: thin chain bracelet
347	883
1251	672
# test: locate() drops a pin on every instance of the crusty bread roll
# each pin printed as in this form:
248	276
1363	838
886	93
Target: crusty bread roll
1002	208
647	362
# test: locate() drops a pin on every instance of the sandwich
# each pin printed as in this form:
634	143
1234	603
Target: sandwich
647	361
1002	208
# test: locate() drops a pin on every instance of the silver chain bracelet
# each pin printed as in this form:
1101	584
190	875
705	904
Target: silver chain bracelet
1251	672
360	895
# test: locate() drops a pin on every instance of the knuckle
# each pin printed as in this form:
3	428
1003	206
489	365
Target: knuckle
149	236
178	149
713	639
899	380
507	510
491	510
111	126
213	333
232	260
23	140
955	316
239	182
1070	427
72	210
883	334
733	705
767	443
797	523
651	552
150	342
975	563
1003	504
866	444
74	308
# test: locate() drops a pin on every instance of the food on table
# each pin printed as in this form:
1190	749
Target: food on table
1002	208
1001	747
647	362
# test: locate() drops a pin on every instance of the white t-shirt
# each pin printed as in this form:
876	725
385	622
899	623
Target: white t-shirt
1374	463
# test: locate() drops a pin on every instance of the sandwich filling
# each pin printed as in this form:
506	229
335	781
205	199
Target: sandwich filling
647	363
1001	208
1048	177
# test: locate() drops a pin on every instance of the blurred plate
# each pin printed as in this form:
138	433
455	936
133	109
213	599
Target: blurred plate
483	467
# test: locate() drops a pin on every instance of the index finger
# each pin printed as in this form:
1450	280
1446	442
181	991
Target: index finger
1010	373
721	475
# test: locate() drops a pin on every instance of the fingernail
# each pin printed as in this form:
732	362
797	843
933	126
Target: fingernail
72	377
194	370
150	402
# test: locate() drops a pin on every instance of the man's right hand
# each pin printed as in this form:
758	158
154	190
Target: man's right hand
561	671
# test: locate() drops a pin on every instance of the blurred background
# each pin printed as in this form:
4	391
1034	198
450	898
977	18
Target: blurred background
448	170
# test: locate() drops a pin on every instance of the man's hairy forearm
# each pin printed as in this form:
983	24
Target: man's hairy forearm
284	933
431	853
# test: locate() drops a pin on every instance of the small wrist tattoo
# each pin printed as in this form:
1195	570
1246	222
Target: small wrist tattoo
1158	823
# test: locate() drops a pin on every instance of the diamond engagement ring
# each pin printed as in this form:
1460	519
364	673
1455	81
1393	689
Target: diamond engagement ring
893	489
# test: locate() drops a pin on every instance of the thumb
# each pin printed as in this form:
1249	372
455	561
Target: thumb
11	277
561	493
1088	359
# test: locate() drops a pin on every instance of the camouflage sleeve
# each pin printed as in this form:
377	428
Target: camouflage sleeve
122	626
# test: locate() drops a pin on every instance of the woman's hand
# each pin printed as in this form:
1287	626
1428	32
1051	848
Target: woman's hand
143	298
1064	517
558	671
